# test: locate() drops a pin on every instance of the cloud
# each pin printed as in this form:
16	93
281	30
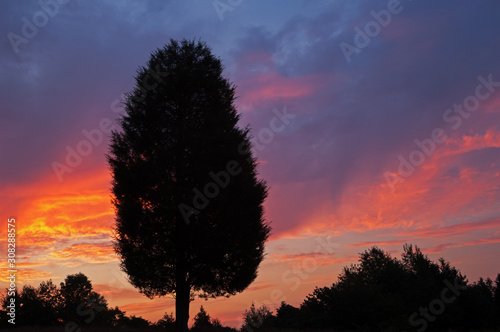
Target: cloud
375	243
89	253
452	230
28	275
310	258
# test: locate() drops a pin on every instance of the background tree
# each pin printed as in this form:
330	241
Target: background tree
496	296
189	216
202	319
49	305
257	318
50	297
81	304
381	293
75	289
36	306
288	316
166	322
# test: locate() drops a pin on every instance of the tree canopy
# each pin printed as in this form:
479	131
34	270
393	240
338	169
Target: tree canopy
189	215
382	293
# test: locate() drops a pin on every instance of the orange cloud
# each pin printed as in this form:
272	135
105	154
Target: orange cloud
27	276
452	230
86	252
421	203
262	82
376	243
143	308
260	285
59	221
118	293
308	258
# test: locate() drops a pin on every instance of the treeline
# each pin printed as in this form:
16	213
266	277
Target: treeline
73	305
382	293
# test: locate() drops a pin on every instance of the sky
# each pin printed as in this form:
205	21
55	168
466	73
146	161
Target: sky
374	123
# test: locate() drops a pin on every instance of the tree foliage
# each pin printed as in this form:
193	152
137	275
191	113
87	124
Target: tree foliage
382	293
73	302
167	322
257	318
189	216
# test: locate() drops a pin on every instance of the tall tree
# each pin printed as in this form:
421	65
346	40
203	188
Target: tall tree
189	215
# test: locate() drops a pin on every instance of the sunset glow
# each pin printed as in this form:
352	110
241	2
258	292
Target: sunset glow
356	163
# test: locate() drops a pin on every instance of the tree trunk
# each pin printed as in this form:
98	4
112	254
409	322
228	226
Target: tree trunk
182	298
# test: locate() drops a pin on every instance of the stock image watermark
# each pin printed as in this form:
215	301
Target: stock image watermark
11	271
293	277
96	136
30	27
222	6
372	28
454	116
436	307
222	178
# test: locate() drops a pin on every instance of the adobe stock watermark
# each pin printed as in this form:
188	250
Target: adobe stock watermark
222	6
436	307
372	29
94	137
12	271
293	277
30	28
222	178
455	116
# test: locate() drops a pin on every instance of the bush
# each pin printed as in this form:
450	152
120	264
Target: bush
257	318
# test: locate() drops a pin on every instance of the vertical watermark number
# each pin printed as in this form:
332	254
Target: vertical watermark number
11	262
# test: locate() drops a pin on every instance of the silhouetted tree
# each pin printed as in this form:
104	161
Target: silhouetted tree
202	319
50	297
256	318
166	322
75	292
189	216
133	321
479	306
82	305
288	316
49	305
36	306
496	296
382	293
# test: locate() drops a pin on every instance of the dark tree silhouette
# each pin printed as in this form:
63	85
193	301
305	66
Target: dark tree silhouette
166	322
496	296
189	215
75	289
79	303
202	319
256	318
287	316
383	293
49	305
